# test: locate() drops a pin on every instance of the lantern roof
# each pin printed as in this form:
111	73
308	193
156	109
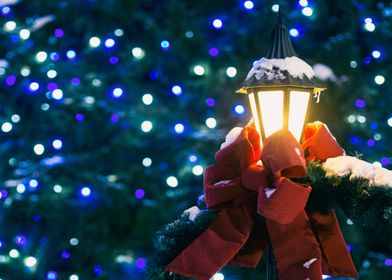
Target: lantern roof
281	66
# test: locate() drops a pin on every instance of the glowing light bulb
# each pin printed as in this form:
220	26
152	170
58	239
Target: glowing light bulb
146	126
138	52
39	149
165	45
57	188
117	92
10	26
34	86
307	11
179	128
231	72
57	94
239	109
94	42
14	253
390	122
147	162
30	262
303	3
24	34
20	188
6	127
57	144
71	54
147	99
109	43
199	70
217	23
51	74
85	191
249	5
218	276
176	90
197	170
376	54
172	181
275	8
41	56
211	123
74	241
379	79
294	32
73	277
119	32
25	71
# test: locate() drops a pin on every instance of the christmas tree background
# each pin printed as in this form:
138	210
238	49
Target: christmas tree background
110	110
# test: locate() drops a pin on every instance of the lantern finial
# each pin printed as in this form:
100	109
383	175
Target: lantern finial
280	45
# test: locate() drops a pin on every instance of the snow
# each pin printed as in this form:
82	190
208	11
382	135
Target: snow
324	72
223	182
269	192
193	212
309	262
231	137
272	68
356	168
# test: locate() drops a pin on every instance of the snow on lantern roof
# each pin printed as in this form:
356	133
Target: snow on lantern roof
281	66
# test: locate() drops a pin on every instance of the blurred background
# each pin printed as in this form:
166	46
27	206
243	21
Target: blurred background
111	109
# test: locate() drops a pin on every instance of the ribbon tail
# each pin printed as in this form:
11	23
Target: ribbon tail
254	248
216	246
297	253
336	258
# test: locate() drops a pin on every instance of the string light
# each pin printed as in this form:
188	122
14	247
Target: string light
307	11
376	54
217	23
147	162
57	188
24	34
138	53
73	277
303	3
39	149
85	191
14	253
41	56
146	126
57	144
30	262
275	8
176	90
147	99
231	72
57	94
249	5
109	43
20	188
211	122
179	128
51	74
6	127
94	42
218	276
199	70
10	26
74	241
165	45
119	32
294	32
197	170
239	109
172	181
117	92
379	79
71	54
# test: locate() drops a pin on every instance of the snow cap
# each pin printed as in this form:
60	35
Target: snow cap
281	66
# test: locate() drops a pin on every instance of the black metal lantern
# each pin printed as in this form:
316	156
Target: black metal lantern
279	87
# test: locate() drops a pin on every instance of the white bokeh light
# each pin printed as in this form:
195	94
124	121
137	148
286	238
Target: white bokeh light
211	122
39	149
147	99
172	181
146	126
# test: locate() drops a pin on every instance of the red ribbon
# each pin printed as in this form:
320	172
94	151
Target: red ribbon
304	244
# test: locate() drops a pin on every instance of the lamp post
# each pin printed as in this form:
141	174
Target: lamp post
279	87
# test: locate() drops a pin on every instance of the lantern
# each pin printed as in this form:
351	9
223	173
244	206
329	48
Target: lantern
280	86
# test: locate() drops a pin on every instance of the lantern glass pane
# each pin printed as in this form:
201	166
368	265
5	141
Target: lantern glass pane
271	107
255	115
299	101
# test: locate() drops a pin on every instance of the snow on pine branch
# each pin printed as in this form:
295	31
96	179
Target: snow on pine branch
356	168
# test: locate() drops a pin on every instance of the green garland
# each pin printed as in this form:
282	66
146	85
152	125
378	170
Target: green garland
369	206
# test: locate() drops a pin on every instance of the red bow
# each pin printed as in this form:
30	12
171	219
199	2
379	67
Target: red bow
241	188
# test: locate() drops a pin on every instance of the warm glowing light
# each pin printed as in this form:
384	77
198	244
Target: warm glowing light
197	170
297	113
30	261
172	181
271	107
254	112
